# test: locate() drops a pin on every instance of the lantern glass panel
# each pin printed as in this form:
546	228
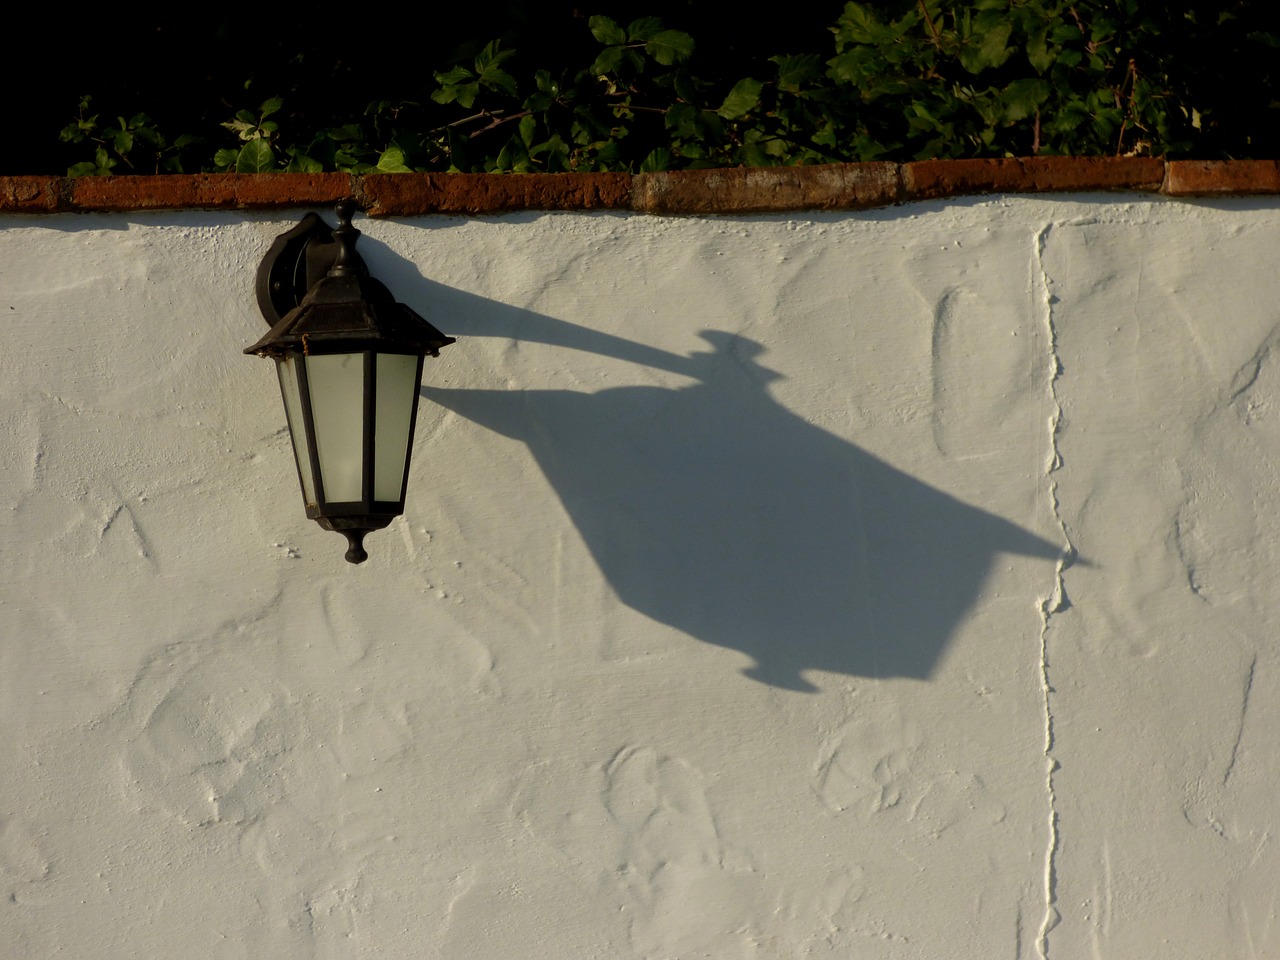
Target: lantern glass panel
397	385
335	382
287	368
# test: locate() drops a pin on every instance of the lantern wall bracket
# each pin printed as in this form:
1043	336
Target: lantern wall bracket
297	261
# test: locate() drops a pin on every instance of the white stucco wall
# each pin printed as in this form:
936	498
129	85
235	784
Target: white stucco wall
727	618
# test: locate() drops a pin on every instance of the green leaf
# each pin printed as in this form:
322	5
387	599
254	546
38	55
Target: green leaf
857	25
606	31
240	128
638	31
256	156
269	107
634	58
1038	53
608	62
989	49
1070	58
346	132
491	56
681	119
463	93
670	47
450	77
504	162
300	162
849	68
555	149
103	160
1022	98
658	159
538	102
528	127
391	160
150	136
545	83
795	73
686	87
741	99
496	79
458	158
225	158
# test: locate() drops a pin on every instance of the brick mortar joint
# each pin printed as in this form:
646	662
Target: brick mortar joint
724	190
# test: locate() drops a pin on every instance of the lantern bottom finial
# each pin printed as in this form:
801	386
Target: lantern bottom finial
355	529
355	552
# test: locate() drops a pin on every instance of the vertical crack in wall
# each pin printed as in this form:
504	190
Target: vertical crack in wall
1244	710
1056	601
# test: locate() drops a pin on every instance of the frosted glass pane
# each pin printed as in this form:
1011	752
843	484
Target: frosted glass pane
288	371
397	383
336	384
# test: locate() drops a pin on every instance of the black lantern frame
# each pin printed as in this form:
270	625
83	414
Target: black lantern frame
350	361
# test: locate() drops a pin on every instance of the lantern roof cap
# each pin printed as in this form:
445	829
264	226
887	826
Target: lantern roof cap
348	306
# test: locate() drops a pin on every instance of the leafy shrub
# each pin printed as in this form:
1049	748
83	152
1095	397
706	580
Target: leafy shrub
902	80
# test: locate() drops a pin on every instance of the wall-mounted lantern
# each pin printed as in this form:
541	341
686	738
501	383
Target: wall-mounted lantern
350	362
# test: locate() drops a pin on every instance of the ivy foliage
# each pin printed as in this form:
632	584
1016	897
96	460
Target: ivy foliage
899	80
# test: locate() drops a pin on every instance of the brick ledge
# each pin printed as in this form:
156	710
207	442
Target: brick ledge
851	186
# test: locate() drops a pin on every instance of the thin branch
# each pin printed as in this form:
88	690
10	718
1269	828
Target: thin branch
457	123
933	31
497	122
1130	77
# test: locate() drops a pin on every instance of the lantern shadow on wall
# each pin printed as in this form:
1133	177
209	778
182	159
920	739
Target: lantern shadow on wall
715	510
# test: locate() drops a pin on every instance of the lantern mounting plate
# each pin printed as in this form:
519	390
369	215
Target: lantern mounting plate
296	261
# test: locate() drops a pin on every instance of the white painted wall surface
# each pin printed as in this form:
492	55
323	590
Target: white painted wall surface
727	617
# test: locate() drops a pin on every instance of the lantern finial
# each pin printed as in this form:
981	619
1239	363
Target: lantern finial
344	264
355	551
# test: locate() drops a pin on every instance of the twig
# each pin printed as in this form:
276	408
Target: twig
933	31
1131	77
497	122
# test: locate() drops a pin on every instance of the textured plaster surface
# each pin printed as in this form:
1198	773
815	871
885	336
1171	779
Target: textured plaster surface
883	584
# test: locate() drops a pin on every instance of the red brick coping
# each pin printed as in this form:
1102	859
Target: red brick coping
848	186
